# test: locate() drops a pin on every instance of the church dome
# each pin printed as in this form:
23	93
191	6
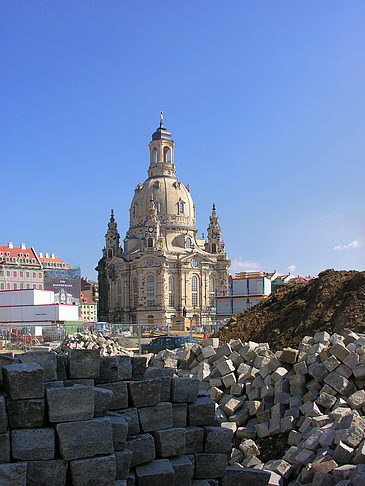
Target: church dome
170	197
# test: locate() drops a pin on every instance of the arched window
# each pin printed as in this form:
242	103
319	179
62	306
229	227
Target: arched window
150	242
154	156
119	287
188	242
194	291
214	248
171	291
110	253
135	291
180	207
134	210
166	154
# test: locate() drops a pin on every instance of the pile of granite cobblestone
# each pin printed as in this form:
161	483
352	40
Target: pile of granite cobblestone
313	397
108	346
83	419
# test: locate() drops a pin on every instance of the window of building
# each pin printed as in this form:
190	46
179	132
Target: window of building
180	207
150	242
40	286
1	273
14	274
150	283
21	285
194	291
8	274
135	291
211	291
195	262
34	286
39	275
149	262
28	286
20	274
188	242
15	286
119	287
2	286
8	286
34	275
171	291
150	300
27	274
214	248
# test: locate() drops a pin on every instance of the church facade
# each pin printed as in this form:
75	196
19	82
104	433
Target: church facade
163	270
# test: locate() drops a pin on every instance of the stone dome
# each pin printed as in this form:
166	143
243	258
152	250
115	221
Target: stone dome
170	197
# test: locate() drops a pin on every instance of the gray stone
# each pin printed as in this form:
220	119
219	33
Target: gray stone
156	473
4	447
343	453
6	360
156	417
46	473
115	368
179	414
61	367
14	474
139	365
131	415
47	361
237	476
183	470
184	390
26	413
53	384
93	470
78	440
218	440
170	442
120	394
123	461
84	363
338	382
70	404
202	412
142	447
165	388
78	381
194	440
33	444
120	432
3	415
210	465
144	393
102	401
24	381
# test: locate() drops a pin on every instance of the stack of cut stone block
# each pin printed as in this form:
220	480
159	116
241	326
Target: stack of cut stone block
85	419
312	396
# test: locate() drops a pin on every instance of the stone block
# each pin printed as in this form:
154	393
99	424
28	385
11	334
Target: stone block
225	367
249	448
102	400
78	440
77	381
47	361
4	447
156	417
202	412
359	372
115	368
26	413
183	470
123	461
289	355
93	470
184	390
194	437
218	440
25	380
70	404
238	476
84	363
170	442
211	342
33	444
165	388
208	351
131	415
359	457
120	394
120	432
209	465
144	393
179	414
46	473
156	473
343	453
338	383
357	399
143	448
339	351
229	380
139	365
14	474
61	367
3	415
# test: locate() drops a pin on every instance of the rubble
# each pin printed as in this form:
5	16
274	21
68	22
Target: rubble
107	346
310	399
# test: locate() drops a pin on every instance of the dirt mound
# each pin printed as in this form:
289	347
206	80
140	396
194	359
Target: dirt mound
332	302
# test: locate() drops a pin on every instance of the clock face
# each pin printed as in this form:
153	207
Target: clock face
150	229
214	235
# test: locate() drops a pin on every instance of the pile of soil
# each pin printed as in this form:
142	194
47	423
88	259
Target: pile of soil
332	302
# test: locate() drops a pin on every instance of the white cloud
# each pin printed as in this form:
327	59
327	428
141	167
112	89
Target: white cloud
349	246
238	265
291	268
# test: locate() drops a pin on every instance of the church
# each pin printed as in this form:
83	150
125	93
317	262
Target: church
163	270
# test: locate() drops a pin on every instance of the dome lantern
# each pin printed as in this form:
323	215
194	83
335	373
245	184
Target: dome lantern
162	153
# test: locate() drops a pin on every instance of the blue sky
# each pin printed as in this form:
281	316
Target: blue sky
265	101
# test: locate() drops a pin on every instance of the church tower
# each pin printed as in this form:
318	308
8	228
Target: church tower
112	238
214	244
